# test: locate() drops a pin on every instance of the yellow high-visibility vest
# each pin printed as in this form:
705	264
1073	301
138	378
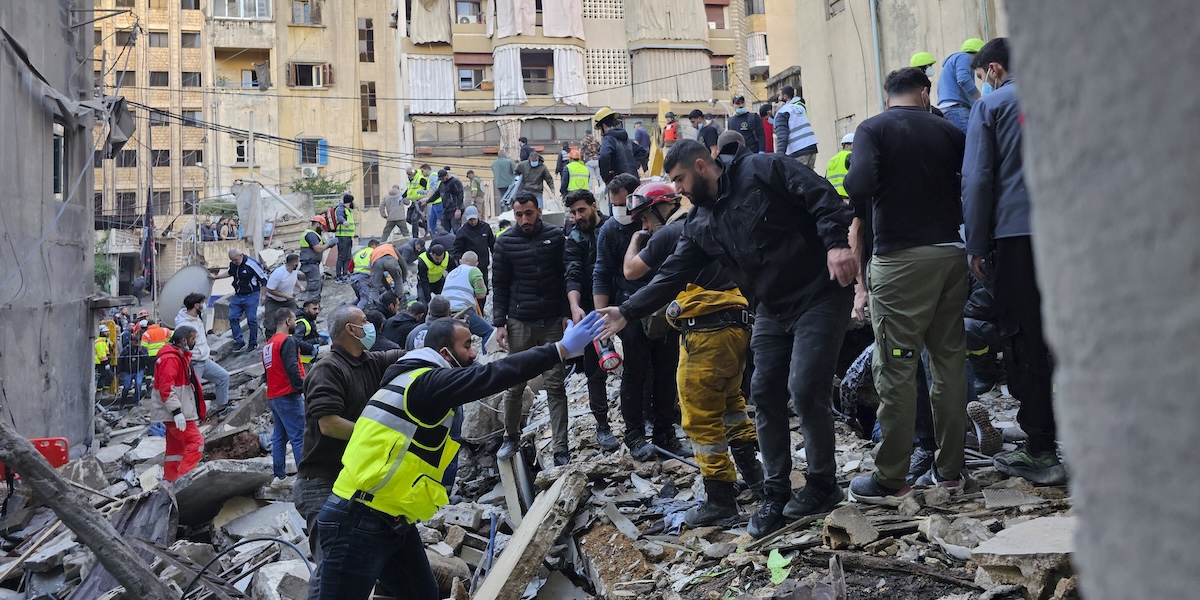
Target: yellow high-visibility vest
836	171
578	176
362	260
436	271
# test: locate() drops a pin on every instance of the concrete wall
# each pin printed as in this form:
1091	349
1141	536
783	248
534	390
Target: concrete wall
1119	268
46	328
836	53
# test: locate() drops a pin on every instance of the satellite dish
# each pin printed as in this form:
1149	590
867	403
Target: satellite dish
187	280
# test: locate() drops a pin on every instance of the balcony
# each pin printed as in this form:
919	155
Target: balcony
539	86
756	51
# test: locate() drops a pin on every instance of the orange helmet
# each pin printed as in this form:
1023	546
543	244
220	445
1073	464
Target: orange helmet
650	194
573	155
320	220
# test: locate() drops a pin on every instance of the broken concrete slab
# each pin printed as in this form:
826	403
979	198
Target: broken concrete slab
846	526
86	471
967	532
202	492
266	581
464	515
198	553
110	458
454	537
268	521
148	449
1035	554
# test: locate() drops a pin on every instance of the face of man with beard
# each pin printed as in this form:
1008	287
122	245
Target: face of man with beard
697	181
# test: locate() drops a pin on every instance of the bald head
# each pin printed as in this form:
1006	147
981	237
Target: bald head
470	258
235	255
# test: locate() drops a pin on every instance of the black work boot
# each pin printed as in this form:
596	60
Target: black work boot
665	439
817	496
745	456
719	508
604	436
639	448
770	514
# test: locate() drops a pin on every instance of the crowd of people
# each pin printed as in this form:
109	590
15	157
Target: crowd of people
732	288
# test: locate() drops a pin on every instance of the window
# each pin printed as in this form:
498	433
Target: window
309	75
469	79
306	12
191	79
604	9
191	202
836	6
537	81
553	131
241	152
158	39
715	15
192	118
314	152
241	9
127	203
249	78
370	179
97	37
124	78
160	158
193	158
126	159
98	203
189	4
158	119
161	202
59	148
98	78
720	78
160	79
456	139
466	13
366	40
367	106
756	7
124	4
125	38
189	40
158	4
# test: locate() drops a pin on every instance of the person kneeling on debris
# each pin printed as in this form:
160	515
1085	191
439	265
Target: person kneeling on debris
177	400
399	451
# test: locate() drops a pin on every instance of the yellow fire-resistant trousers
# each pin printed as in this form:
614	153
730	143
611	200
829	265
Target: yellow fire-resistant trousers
710	397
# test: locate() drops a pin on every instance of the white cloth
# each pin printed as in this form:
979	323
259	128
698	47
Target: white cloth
506	70
430	22
562	18
516	17
283	281
431	81
570	83
458	289
201	351
678	75
489	17
666	20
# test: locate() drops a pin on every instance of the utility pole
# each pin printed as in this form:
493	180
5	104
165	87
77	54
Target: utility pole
256	207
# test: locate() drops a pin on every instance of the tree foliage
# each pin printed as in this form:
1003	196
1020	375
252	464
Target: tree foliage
321	185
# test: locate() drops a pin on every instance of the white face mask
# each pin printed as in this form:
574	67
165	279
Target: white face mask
929	71
621	214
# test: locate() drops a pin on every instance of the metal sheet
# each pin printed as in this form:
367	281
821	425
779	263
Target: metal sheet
189	279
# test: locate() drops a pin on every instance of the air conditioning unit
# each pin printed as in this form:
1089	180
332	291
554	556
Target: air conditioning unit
308	172
468	19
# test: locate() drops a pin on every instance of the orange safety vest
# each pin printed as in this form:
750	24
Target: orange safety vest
383	249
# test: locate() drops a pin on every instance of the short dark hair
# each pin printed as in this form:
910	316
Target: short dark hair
182	333
441	332
788	91
523	139
310	302
426	166
437	249
375	318
388	298
347	198
637	122
577	195
281	315
373	242
524	198
624	181
504	223
566	145
685	152
470	171
292	258
696	114
191	299
764	110
416	307
908	80
995	51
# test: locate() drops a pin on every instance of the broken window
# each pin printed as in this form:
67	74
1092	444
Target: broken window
469	79
309	75
536	67
161	202
368	107
241	152
366	40
193	158
126	159
371	188
314	151
241	9
306	12
191	202
720	77
59	160
160	158
127	203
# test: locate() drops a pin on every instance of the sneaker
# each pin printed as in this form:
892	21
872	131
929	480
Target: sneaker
238	346
932	478
252	347
604	436
990	440
507	449
769	516
920	463
865	489
1042	468
813	499
281	483
562	458
224	411
639	448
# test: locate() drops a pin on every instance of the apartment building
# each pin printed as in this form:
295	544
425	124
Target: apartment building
837	52
483	74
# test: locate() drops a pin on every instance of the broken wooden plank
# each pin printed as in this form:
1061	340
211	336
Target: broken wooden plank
549	515
621	522
512	493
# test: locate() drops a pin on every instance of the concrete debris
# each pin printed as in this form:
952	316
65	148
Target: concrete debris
1035	555
846	527
267	582
202	492
148	448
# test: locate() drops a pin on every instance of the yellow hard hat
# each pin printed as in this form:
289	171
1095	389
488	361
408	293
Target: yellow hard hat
922	59
972	45
602	114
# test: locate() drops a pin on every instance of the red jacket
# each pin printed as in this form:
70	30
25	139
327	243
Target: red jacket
173	369
769	132
281	361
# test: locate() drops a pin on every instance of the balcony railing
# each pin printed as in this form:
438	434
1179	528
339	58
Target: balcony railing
539	86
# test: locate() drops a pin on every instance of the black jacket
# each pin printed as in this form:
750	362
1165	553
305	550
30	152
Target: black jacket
608	274
527	275
478	239
398	327
771	225
616	154
451	193
751	127
579	259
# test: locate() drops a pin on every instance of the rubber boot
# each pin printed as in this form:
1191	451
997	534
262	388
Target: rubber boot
719	508
745	456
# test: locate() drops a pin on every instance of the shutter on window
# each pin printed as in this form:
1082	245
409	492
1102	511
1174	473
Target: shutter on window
322	152
314	12
326	75
291	74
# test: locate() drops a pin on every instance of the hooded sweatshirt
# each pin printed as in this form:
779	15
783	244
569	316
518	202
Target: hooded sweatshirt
394	206
616	154
201	351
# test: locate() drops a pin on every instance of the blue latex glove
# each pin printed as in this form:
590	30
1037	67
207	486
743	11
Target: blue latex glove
578	335
325	339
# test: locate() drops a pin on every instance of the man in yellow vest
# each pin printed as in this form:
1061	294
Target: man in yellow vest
102	352
360	273
839	165
577	177
398	453
312	249
432	267
345	231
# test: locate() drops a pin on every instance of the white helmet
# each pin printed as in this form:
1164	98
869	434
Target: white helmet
103	330
848	138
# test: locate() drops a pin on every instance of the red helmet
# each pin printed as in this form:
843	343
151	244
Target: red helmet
650	194
320	220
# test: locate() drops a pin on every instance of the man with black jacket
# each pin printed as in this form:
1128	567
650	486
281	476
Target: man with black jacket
450	193
579	260
529	307
616	151
783	231
398	327
747	123
475	236
644	358
335	392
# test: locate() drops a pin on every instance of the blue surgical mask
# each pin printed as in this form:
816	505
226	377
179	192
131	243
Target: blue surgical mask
987	87
740	111
368	338
533	163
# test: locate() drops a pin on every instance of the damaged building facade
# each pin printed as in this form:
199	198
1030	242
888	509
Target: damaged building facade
46	261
